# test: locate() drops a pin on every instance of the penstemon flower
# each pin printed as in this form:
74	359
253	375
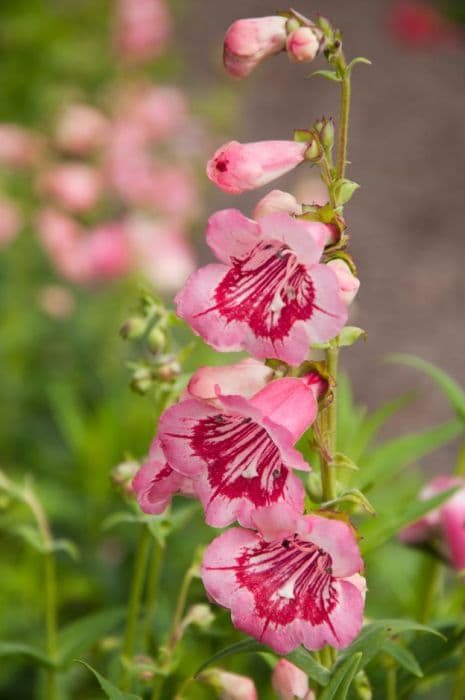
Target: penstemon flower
288	583
290	682
250	41
271	296
237	167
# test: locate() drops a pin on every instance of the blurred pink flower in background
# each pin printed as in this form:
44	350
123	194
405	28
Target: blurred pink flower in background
10	221
75	186
420	25
143	28
56	301
290	682
80	129
19	147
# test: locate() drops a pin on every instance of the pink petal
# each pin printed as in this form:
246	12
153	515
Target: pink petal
288	402
336	538
305	238
245	378
230	234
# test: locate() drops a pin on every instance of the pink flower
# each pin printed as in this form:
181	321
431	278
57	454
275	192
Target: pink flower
348	283
270	295
10	222
239	451
143	28
445	524
290	682
161	111
155	483
303	44
19	148
161	251
231	686
250	41
102	254
75	186
58	234
237	167
286	584
245	378
81	129
420	25
277	201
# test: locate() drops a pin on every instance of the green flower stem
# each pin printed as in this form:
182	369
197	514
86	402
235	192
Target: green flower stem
328	418
51	625
391	681
432	573
135	604
458	689
460	466
343	131
152	590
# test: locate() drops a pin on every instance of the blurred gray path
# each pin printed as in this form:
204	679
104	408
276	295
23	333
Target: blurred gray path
407	144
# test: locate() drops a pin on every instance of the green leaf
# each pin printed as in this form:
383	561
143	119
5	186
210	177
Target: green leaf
404	657
305	661
394	455
328	74
451	389
341	678
77	637
123	516
31	652
355	61
349	335
248	646
110	690
375	532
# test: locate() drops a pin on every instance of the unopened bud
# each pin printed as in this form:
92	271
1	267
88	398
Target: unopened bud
327	133
156	340
231	686
344	190
169	372
303	44
362	685
348	283
133	328
313	152
292	24
142	380
123	474
290	682
144	668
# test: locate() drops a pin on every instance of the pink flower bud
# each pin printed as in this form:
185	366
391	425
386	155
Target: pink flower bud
237	167
275	201
348	283
80	129
10	222
290	682
303	44
249	41
75	186
231	686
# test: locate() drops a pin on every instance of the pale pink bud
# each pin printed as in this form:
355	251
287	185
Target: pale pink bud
18	147
348	283
76	186
276	201
10	222
231	686
143	28
303	44
237	167
290	682
249	41
80	129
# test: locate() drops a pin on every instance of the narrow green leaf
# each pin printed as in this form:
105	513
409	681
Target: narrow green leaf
451	389
328	74
404	657
355	61
305	661
121	517
110	690
248	646
341	678
78	637
377	531
349	335
372	423
369	643
394	455
27	650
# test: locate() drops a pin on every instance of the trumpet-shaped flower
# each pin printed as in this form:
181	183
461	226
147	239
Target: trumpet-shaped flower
250	41
288	583
239	452
290	682
270	296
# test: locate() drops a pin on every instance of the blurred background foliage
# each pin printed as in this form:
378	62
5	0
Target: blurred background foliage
68	417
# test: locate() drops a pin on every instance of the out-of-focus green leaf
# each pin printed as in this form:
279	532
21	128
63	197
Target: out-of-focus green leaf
79	636
110	690
314	670
32	653
404	657
377	530
451	389
391	457
371	424
341	678
248	646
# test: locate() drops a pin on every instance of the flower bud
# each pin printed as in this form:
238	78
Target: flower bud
314	151
348	283
326	132
123	475
133	328
276	201
250	41
237	167
142	380
303	44
156	340
231	686
290	682
169	371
